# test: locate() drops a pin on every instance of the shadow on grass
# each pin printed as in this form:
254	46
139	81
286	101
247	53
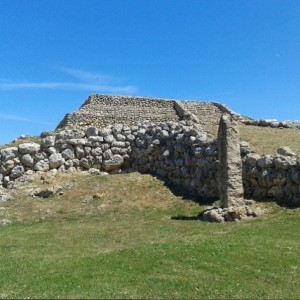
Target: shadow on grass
185	218
179	191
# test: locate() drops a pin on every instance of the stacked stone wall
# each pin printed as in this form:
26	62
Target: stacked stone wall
208	113
180	154
103	110
158	136
176	151
269	177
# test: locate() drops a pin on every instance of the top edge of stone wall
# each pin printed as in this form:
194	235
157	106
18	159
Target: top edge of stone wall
119	97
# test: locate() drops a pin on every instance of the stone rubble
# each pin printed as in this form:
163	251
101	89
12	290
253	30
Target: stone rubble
273	123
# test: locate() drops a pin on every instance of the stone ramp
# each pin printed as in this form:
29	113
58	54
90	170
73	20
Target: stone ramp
102	110
207	112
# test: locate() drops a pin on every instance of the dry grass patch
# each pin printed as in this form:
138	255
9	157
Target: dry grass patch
85	194
266	140
33	139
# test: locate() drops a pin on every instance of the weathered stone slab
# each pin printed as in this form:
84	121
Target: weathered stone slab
230	163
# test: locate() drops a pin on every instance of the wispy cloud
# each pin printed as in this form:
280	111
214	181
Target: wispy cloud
88	81
22	119
89	76
67	85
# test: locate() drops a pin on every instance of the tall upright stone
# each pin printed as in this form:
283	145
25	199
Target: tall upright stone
230	163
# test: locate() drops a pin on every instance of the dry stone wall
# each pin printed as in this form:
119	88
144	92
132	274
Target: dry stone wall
181	154
272	177
176	149
207	113
103	110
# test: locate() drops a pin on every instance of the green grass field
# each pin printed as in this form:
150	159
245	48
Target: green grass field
129	236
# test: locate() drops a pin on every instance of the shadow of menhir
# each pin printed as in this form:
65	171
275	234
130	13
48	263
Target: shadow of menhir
185	218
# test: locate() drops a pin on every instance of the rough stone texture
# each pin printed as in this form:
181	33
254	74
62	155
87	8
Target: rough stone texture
17	172
8	153
29	148
273	123
27	160
4	196
230	163
175	151
285	151
5	222
41	166
56	160
102	110
208	113
115	162
230	214
272	177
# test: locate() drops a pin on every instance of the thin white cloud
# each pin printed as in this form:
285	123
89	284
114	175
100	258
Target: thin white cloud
21	119
13	118
92	82
67	86
89	76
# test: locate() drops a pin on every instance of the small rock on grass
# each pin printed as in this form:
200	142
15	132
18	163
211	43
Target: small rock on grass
4	222
4	197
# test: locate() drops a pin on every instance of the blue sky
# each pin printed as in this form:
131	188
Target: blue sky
54	53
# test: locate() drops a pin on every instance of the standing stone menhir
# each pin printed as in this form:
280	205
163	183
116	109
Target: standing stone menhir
230	163
233	207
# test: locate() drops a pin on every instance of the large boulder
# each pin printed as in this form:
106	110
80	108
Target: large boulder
284	162
70	134
6	167
266	161
42	166
27	160
29	148
48	141
114	163
91	131
56	160
17	172
286	151
9	153
68	154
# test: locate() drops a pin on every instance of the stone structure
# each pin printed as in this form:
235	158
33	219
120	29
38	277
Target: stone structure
273	123
162	137
178	152
233	206
230	163
103	110
272	177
